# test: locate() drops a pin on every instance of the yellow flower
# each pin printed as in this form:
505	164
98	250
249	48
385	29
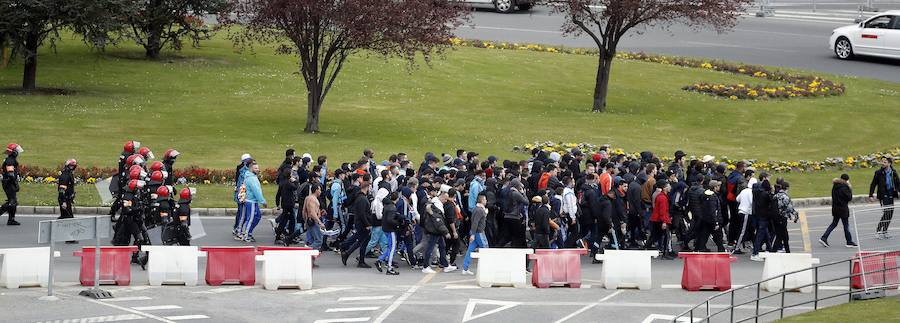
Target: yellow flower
206	181
50	179
455	41
29	179
265	182
733	97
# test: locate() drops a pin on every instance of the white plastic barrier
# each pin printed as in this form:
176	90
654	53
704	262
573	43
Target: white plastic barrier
626	268
287	268
501	267
778	264
25	266
173	264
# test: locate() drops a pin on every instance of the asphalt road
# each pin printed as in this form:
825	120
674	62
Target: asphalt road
783	41
348	294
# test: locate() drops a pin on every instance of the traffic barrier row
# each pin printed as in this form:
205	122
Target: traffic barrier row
284	267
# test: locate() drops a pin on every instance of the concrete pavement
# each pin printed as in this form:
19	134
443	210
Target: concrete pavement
349	294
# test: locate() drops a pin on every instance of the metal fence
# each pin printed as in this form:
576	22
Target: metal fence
871	270
861	7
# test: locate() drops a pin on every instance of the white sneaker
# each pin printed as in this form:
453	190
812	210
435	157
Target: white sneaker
428	270
466	272
823	243
449	269
756	258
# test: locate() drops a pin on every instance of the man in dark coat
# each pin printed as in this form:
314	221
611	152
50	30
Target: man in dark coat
362	221
841	195
886	182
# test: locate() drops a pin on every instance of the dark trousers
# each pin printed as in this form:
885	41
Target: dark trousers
65	208
635	229
286	221
541	241
834	222
358	240
452	246
762	236
887	215
704	231
662	237
781	235
513	233
11	202
433	240
490	227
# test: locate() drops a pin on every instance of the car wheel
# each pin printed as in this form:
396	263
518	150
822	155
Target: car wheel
505	6
843	49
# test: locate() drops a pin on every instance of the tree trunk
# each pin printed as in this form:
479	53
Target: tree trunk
314	105
154	42
29	79
601	87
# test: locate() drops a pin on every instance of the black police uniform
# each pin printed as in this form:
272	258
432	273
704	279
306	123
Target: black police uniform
10	183
121	182
66	197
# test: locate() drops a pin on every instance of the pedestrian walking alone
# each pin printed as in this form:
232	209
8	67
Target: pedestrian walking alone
841	195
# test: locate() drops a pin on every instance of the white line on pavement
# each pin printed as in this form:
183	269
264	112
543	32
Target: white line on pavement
351	309
364	298
322	290
187	317
589	306
461	287
352	319
223	290
108	318
454	282
156	308
147	315
126	299
403	298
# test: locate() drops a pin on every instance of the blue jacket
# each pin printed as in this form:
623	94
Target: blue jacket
338	196
254	189
475	188
238	181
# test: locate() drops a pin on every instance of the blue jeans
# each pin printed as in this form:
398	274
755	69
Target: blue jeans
378	238
560	242
387	256
762	236
239	216
479	242
314	236
834	222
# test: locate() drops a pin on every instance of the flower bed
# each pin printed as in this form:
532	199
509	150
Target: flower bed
781	166
793	85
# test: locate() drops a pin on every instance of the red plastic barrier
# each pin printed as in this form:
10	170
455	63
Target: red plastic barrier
557	266
706	270
115	265
230	265
874	266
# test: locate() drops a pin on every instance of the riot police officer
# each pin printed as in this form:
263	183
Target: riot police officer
10	181
121	178
178	230
66	188
169	165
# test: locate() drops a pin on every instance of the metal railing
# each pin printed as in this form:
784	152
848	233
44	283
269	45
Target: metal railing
690	313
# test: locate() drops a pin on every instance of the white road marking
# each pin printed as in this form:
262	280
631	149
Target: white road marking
351	309
454	282
147	315
364	298
585	286
108	318
668	318
352	319
504	305
187	317
126	299
589	306
387	312
156	308
322	290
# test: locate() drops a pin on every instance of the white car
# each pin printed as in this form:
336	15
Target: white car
876	36
504	6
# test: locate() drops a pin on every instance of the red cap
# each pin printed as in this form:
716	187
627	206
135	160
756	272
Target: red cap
14	147
134	184
596	158
171	153
134	160
156	176
131	145
144	151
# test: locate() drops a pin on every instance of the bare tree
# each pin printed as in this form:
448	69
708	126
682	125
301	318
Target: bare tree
607	21
323	34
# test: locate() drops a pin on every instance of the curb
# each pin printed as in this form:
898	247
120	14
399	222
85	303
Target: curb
52	210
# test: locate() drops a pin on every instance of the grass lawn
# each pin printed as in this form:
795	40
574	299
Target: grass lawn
880	310
214	104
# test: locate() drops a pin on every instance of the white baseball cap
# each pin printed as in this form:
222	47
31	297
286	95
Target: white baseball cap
245	157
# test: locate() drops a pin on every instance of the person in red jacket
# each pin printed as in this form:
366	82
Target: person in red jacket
660	219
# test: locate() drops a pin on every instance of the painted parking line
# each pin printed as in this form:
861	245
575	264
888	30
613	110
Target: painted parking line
126	299
156	308
589	306
322	290
462	287
186	317
351	309
387	312
108	318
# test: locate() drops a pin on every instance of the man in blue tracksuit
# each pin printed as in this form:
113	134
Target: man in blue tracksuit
253	198
475	188
238	181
